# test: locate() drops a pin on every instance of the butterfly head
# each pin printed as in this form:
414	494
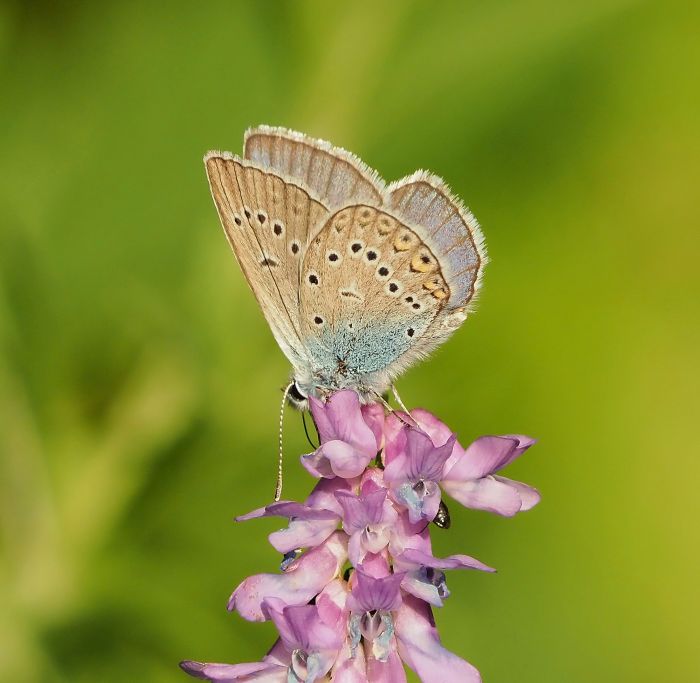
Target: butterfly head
298	396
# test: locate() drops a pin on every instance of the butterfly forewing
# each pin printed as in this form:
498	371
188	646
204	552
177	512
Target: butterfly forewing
267	222
337	177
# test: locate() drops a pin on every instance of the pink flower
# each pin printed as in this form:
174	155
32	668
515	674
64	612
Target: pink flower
415	471
372	602
311	637
302	580
468	475
368	519
348	436
471	480
310	523
420	647
424	577
367	625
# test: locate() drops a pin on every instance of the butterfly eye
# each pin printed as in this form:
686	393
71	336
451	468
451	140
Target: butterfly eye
296	395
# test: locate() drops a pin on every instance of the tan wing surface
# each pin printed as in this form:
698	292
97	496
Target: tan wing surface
424	202
371	288
268	223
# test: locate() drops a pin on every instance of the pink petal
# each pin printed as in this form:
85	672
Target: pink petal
288	509
375	565
529	496
317	464
422	589
408	535
485	494
345	460
431	505
277	654
301	627
302	534
419	646
438	431
340	418
391	671
418	459
422	559
263	672
356	549
396	468
374	416
370	593
359	511
394	438
484	456
432	589
354	515
372	479
323	495
427	460
524	442
349	668
302	581
331	603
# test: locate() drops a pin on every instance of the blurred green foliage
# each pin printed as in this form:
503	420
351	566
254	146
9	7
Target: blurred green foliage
139	384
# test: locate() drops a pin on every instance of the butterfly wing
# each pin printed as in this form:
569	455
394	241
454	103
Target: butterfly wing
424	202
268	222
357	280
379	292
333	175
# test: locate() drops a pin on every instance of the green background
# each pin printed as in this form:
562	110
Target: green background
139	384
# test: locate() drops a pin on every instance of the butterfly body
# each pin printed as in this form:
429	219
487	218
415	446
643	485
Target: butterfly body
358	280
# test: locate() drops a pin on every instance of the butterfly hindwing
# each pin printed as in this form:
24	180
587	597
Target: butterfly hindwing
371	288
424	201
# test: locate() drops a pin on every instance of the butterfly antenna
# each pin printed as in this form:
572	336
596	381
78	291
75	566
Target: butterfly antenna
280	459
386	404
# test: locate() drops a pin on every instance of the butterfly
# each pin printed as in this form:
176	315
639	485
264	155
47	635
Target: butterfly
357	279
